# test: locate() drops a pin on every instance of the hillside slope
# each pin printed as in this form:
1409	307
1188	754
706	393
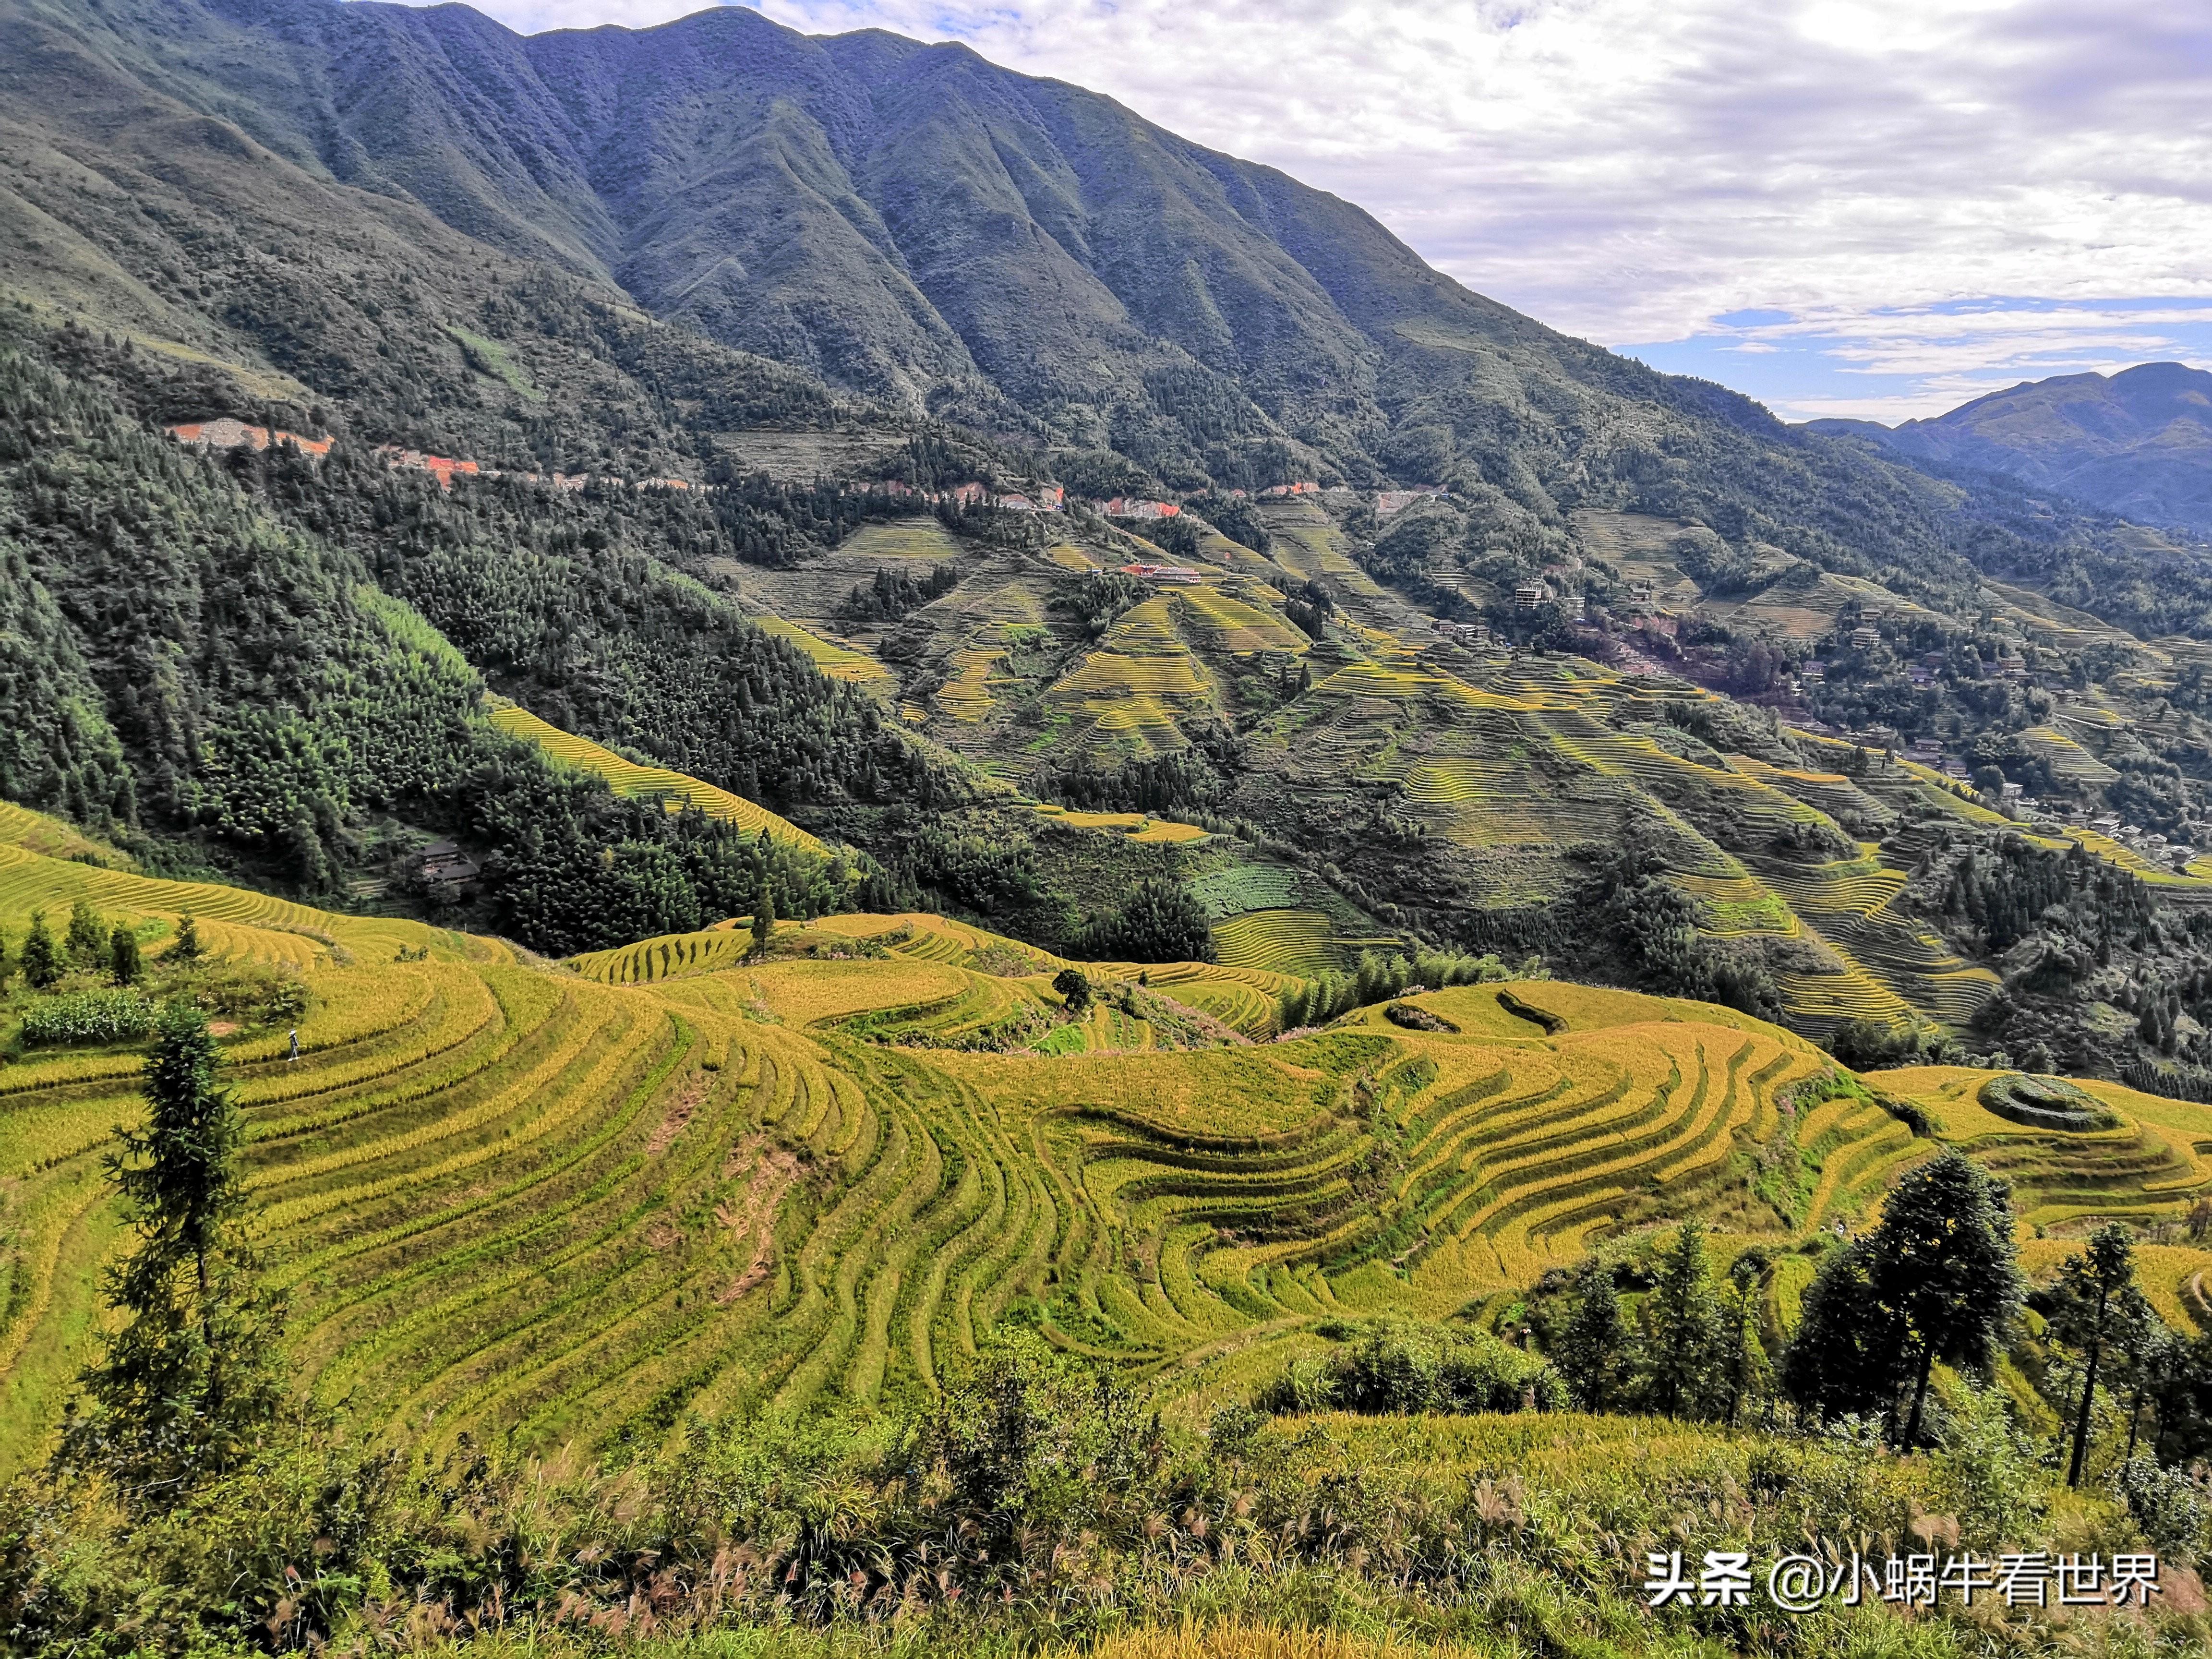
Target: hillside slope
907	221
2138	443
585	1205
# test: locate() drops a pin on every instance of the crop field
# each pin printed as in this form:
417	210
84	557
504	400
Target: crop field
839	662
1287	941
627	777
235	922
1247	887
2069	759
1232	624
967	695
584	1202
1137	826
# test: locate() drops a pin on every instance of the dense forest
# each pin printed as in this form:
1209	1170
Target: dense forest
213	686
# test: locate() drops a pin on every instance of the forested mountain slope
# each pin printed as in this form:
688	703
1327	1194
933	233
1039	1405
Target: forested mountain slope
578	253
2138	443
908	221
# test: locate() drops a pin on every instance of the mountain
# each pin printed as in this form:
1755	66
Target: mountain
1494	712
2138	443
912	224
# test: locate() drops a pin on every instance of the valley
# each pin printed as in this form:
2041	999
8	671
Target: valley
807	849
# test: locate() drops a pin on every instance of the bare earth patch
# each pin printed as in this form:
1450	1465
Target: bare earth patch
752	1215
679	1113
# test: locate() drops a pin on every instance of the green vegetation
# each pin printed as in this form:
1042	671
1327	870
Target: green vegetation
776	1224
1153	1001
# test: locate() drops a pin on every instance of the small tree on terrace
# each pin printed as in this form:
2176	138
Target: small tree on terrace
1591	1350
122	956
186	947
42	963
1685	1321
186	1379
87	936
1074	988
2095	1302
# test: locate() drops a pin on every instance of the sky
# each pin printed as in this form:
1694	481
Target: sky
1878	208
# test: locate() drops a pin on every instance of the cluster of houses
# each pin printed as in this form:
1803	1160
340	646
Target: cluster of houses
1181	573
1390	502
228	433
1533	595
1053	498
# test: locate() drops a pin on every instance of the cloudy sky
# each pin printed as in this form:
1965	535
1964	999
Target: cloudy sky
1878	207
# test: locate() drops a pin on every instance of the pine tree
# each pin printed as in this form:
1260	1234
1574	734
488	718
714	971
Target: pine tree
1683	1318
42	963
1741	1356
1938	1279
1946	1261
87	936
186	1377
186	947
1592	1351
764	907
2093	1291
122	956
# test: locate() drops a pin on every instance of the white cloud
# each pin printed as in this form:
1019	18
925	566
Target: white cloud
1631	170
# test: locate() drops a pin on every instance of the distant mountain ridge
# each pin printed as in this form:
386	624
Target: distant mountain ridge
2138	443
906	221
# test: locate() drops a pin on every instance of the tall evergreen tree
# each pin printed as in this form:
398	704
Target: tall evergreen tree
186	1377
1741	1357
763	905
1591	1351
2093	1287
1945	1258
123	964
1842	1358
1683	1317
42	963
1938	1279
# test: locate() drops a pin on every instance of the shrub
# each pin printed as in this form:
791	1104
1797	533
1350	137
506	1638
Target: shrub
2173	1510
1402	1367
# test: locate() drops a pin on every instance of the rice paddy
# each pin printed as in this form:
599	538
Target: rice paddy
583	1201
627	777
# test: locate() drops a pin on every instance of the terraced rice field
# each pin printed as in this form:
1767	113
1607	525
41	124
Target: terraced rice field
839	662
967	695
1137	826
1231	623
1287	941
586	1202
627	777
235	922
